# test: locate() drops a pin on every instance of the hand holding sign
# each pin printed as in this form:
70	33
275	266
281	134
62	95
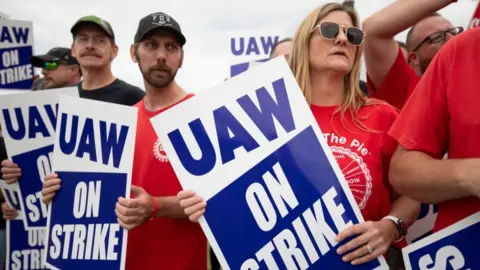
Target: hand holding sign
193	206
8	212
132	213
51	185
10	171
373	240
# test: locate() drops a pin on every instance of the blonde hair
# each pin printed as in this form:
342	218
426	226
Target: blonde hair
353	98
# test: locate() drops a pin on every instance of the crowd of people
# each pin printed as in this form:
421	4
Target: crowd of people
419	102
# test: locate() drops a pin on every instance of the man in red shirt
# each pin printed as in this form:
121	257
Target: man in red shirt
389	76
160	235
443	114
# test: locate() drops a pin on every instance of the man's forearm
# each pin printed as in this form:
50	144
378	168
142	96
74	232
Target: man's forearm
169	207
426	179
399	16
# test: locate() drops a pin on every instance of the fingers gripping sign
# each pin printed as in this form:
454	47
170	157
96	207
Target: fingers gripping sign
371	240
133	212
192	205
10	172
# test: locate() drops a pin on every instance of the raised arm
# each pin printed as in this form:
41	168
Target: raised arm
380	47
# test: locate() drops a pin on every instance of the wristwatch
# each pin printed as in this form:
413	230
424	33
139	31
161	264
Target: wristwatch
402	230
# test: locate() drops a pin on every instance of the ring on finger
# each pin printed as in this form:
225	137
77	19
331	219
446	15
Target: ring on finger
369	249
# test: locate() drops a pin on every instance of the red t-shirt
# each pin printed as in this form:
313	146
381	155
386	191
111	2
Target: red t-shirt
363	156
444	114
161	243
397	85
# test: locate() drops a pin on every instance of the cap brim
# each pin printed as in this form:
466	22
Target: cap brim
39	60
77	25
179	36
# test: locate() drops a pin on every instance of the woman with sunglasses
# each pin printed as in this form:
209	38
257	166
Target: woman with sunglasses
325	60
326	63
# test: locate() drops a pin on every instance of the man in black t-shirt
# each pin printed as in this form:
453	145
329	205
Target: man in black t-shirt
94	48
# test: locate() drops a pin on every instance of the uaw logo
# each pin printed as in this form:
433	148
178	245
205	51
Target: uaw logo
159	152
246	47
161	19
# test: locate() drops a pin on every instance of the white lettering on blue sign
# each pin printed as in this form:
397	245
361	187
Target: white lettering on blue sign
88	243
30	258
82	140
10	58
447	255
87	199
16	74
313	223
231	134
34	213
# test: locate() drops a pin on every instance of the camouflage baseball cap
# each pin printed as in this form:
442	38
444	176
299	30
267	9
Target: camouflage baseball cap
92	19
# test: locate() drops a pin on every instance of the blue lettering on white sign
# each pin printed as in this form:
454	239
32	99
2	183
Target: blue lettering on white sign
12	197
252	45
226	124
110	141
14	34
84	233
30	124
26	248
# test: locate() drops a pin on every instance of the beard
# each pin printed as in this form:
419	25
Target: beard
158	76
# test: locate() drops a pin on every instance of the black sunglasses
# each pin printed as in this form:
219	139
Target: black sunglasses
330	31
439	36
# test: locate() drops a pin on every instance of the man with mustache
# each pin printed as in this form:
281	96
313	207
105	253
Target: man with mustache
94	48
59	68
160	235
389	76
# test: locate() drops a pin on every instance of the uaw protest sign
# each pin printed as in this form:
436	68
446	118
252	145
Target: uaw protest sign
276	197
16	48
28	123
93	156
24	249
453	248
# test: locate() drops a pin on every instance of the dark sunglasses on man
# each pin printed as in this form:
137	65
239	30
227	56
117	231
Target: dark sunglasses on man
439	36
52	65
330	31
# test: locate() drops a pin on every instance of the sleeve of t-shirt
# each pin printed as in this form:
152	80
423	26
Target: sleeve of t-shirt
397	85
389	145
423	123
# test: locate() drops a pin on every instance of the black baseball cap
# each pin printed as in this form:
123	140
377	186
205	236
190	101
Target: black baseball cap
54	55
92	19
159	20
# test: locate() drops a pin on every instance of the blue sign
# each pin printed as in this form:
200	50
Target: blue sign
93	155
25	249
16	38
29	121
276	198
453	248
